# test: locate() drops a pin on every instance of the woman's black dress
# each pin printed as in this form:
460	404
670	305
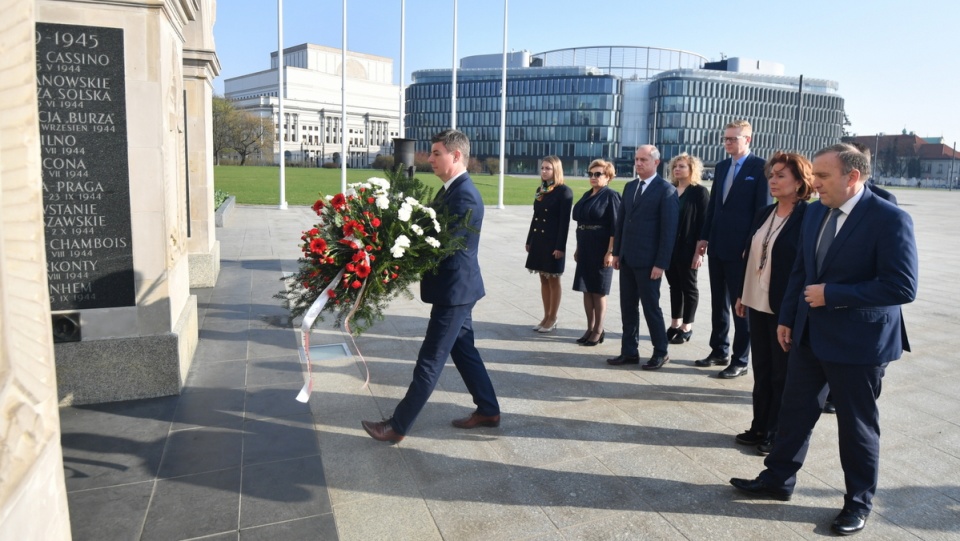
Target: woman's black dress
596	217
548	230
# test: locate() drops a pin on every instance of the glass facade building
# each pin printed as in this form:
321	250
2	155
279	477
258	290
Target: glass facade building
602	102
573	113
690	107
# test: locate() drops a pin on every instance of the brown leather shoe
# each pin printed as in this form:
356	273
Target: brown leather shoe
381	431
476	420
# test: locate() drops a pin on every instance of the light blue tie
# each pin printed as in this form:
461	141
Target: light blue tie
728	183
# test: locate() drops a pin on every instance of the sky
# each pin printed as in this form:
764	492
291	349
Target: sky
896	62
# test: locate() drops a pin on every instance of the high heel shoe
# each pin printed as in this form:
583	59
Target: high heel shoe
681	337
591	343
545	330
672	333
584	338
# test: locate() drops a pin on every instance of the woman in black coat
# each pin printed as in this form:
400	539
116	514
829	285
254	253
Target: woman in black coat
768	260
685	172
547	238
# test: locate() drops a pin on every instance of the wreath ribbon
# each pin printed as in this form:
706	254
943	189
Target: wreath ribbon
309	318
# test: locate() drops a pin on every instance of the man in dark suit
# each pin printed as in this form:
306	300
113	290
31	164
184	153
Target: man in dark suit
453	289
739	191
642	246
841	321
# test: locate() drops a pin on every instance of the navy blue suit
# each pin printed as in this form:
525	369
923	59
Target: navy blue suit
869	271
453	289
726	229
644	237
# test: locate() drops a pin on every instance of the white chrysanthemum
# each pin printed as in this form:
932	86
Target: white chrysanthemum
350	193
399	246
432	242
404	213
436	225
430	212
383	202
412	201
328	197
380	183
417	229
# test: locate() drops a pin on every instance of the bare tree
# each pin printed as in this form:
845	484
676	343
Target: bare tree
224	118
251	134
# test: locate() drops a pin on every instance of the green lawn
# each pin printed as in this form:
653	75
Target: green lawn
254	185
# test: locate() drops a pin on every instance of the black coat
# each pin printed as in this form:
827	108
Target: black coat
693	212
548	230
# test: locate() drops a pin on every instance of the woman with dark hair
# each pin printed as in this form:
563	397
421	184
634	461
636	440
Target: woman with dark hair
547	238
768	259
596	217
684	172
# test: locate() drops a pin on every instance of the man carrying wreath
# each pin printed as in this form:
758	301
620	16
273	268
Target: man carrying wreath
453	289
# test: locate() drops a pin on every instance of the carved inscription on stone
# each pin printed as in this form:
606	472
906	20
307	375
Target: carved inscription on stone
86	191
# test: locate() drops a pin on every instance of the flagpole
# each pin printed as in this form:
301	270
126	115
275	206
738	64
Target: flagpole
280	120
343	104
403	25
453	83
503	108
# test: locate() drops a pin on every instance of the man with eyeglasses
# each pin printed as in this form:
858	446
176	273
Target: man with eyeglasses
739	191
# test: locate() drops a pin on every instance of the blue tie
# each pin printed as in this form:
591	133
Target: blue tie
826	237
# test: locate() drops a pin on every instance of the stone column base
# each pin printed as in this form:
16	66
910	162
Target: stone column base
128	368
205	267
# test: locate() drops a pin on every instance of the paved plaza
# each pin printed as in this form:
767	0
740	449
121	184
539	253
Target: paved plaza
584	450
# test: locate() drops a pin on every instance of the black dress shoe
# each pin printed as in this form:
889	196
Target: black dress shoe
672	331
585	337
656	362
849	522
712	360
765	447
750	437
382	431
758	487
624	359
733	371
681	337
828	407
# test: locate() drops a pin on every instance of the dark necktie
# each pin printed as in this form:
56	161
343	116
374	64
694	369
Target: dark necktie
439	197
639	191
827	236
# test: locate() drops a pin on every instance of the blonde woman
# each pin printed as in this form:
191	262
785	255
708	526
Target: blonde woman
547	238
684	172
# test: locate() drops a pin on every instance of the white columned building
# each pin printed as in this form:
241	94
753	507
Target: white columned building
311	126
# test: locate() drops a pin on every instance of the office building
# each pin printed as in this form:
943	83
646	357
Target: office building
585	103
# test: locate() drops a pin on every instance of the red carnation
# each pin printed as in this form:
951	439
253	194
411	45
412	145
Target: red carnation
338	201
353	228
318	246
394	276
375	222
370	200
318	206
332	293
356	284
351	267
363	270
373	258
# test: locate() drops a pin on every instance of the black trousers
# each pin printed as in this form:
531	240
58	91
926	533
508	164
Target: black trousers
769	372
684	295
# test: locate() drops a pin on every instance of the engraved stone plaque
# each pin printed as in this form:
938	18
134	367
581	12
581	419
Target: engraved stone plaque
86	191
